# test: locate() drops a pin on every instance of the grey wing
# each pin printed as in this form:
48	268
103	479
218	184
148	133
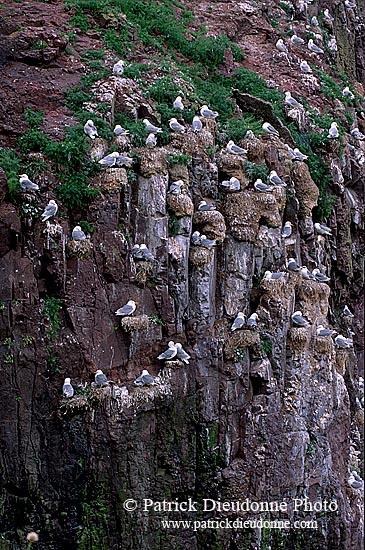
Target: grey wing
168	354
125	310
237	323
101	379
147	379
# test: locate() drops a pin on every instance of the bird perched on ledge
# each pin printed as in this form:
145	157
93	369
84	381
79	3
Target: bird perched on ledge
127	309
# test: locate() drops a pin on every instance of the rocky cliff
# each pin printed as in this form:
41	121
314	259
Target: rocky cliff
273	413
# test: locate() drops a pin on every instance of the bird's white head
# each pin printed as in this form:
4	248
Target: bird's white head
77	228
90	122
132	302
146	121
99	371
52	202
255	316
114	154
172	120
287	94
178	345
67	380
241	314
171	344
268	274
145	372
315	271
288	224
25	176
297	313
258	181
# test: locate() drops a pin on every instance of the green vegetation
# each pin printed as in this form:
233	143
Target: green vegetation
265	344
87	227
174	159
10	163
93	531
256	171
52	308
173	226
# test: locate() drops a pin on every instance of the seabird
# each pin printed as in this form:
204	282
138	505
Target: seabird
232	184
322	331
274	276
306	274
207	113
293	265
145	379
176	187
350	5
123	160
118	68
127	309
320	277
175	126
239	321
299	320
27	184
252	320
322	229
137	252
235	149
100	378
304	67
296	39
270	129
109	160
249	135
262	187
181	353
313	47
289	100
151	140
342	342
119	131
207	243
281	46
357	134
327	15
196	238
299	155
355	481
178	104
314	21
287	230
205	207
197	124
275	180
78	234
347	313
90	129
50	210
168	354
67	388
333	132
150	128
146	253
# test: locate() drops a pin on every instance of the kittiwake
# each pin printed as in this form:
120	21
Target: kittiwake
127	309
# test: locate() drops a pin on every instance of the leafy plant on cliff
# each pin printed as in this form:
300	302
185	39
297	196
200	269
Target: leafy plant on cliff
256	171
174	159
10	163
52	307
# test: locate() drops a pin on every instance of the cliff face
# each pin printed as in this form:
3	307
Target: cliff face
271	414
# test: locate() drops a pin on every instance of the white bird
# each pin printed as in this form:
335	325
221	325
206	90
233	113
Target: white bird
327	15
357	134
196	238
175	126
27	184
289	100
322	229
181	353
293	265
275	180
333	132
252	320
322	331
78	234
274	276
207	113
100	378
150	128
299	155
350	5
118	67
136	252
205	207
232	184
176	187
119	131
249	135
314	21
304	67
239	321
332	45
287	230
90	129
235	149
320	277
178	104
145	379
270	129
296	39
127	309
123	160
170	353
207	243
151	140
355	481
146	253
313	47
109	160
197	124
67	388
281	46
306	274
347	313
260	186
50	210
299	320
343	342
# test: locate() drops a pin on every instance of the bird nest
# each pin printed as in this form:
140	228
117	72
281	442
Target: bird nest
297	338
143	271
79	249
240	340
111	179
179	172
323	344
200	256
211	224
73	405
135	324
314	292
342	360
181	205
